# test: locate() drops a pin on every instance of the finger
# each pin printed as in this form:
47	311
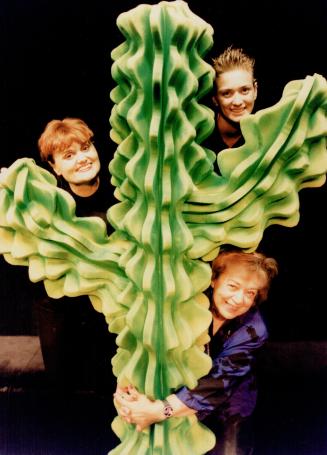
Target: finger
128	397
125	411
128	419
133	393
120	389
118	399
131	388
120	395
122	402
140	427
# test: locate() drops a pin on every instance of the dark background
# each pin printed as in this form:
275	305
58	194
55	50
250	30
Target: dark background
55	62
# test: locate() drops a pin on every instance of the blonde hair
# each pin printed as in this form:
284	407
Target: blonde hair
232	58
59	135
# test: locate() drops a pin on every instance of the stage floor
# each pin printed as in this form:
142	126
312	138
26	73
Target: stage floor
290	418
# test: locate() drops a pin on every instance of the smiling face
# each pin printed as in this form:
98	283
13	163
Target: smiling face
235	290
236	92
78	165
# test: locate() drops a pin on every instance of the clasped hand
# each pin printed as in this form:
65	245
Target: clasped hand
136	408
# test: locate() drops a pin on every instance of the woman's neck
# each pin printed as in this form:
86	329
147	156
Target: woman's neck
217	319
86	189
217	324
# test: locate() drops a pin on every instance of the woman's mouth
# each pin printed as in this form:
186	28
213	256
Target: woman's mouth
84	168
238	112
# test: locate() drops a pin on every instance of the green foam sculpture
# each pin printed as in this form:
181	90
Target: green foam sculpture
173	214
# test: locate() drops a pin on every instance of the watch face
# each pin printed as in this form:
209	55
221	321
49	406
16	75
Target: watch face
168	410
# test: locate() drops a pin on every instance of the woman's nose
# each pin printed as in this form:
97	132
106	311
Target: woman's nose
81	156
237	99
238	297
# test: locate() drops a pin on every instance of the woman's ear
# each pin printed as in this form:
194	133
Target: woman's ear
214	100
255	85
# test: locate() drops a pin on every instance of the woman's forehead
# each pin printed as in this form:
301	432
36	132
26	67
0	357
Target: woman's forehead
234	78
244	273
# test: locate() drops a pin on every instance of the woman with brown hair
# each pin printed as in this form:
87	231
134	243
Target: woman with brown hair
225	398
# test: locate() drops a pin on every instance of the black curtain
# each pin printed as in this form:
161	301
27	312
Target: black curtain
55	62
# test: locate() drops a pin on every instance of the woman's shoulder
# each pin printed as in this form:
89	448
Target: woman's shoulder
252	327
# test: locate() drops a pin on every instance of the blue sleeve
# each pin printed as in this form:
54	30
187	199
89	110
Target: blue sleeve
229	369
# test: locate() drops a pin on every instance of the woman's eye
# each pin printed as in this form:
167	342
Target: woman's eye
251	294
86	145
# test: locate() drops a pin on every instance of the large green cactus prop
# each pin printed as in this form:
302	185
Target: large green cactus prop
156	122
174	212
164	176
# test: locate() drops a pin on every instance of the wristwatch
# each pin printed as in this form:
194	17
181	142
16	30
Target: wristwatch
168	409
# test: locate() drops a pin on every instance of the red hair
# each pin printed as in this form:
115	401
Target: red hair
59	135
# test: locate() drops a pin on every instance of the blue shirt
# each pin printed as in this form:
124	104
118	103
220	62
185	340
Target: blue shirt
229	389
